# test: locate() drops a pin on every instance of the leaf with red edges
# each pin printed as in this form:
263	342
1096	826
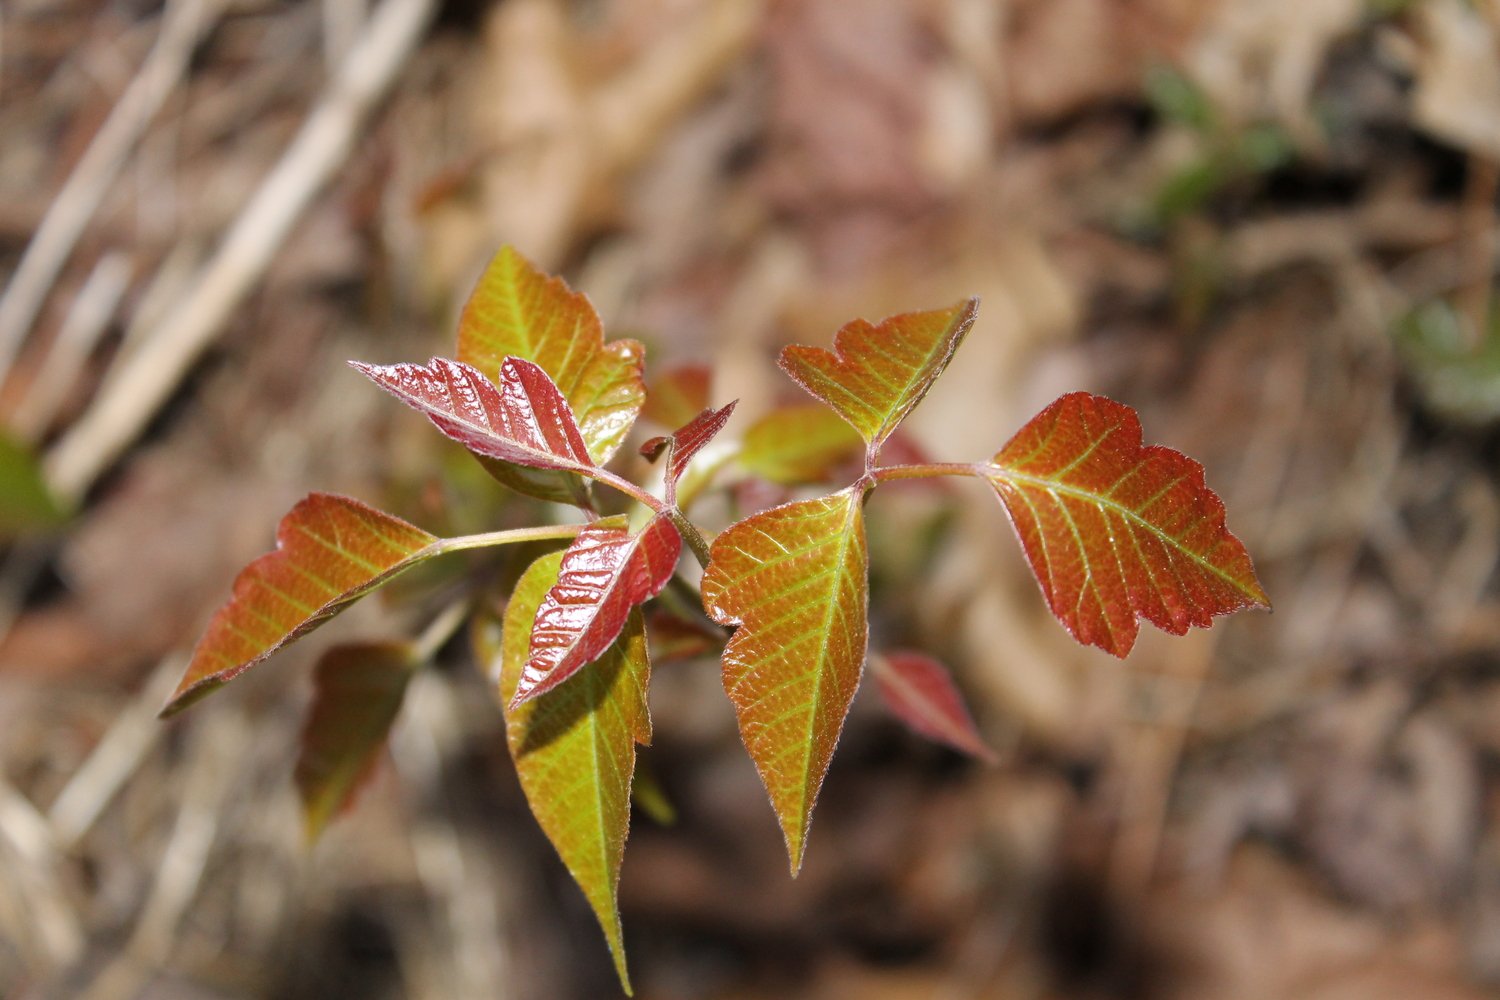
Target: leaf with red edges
876	374
805	443
677	395
606	573
794	579
517	311
330	551
574	748
1115	531
685	442
919	692
525	420
357	693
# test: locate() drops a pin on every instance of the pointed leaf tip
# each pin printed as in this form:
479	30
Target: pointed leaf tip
606	572
877	373
1117	531
330	551
574	748
794	579
517	310
919	691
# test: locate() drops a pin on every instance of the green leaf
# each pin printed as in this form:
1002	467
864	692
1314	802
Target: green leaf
1116	531
574	748
357	693
799	444
26	505
330	551
516	310
877	374
794	580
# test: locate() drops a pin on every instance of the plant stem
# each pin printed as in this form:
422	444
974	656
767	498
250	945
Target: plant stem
689	532
544	533
630	489
929	470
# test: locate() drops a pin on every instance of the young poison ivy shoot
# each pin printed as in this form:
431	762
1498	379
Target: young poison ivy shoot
1113	530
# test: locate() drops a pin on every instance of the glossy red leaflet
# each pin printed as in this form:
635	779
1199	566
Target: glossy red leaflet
524	420
919	691
685	442
605	574
518	311
1115	530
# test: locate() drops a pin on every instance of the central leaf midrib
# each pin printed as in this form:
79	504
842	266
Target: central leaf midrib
845	537
1053	486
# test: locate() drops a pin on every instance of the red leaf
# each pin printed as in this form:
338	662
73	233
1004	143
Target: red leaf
919	692
876	374
685	442
677	395
1114	530
525	420
794	580
518	311
605	573
357	693
330	551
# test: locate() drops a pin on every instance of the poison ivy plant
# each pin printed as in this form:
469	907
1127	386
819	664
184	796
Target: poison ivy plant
1114	530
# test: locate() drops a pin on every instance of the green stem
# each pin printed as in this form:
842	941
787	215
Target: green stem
690	534
630	489
487	539
930	470
685	528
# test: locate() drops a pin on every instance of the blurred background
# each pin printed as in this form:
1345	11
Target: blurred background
1269	225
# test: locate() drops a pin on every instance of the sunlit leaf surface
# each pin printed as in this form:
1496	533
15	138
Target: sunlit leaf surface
877	373
357	693
794	580
574	748
330	551
1115	531
918	691
799	444
606	572
517	311
523	420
